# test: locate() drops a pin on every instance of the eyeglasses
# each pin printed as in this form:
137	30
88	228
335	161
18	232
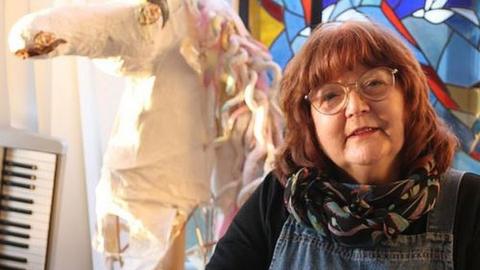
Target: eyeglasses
373	85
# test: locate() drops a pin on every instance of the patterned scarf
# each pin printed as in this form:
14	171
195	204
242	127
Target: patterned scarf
360	215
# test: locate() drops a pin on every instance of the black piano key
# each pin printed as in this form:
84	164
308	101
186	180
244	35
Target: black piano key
14	224
13	258
20	165
15	234
16	184
21	175
16	199
8	267
15	209
13	244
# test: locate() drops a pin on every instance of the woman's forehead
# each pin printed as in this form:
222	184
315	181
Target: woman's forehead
346	74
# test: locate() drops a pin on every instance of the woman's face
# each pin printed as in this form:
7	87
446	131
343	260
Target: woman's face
365	134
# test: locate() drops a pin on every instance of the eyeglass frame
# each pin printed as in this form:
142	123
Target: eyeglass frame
347	89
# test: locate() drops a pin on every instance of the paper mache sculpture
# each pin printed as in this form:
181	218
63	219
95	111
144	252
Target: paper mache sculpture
197	124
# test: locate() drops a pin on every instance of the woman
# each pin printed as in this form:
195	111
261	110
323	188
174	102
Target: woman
363	179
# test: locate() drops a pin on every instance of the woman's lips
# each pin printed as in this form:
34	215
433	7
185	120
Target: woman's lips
362	132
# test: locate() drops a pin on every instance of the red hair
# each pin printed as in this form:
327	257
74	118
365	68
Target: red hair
333	48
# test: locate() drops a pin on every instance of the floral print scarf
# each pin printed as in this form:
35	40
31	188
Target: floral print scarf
357	214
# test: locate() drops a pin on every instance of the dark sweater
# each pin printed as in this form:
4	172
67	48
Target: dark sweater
250	240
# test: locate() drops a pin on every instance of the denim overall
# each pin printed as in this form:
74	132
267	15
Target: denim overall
299	247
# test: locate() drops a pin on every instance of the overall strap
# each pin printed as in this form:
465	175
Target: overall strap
442	217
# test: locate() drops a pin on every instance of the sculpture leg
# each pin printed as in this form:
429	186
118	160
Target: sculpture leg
175	257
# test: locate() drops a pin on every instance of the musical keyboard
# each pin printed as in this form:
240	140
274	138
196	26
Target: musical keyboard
30	167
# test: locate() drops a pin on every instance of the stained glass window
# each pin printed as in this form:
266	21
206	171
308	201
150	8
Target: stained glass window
443	34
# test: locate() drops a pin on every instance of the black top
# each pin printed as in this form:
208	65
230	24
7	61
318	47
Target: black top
250	240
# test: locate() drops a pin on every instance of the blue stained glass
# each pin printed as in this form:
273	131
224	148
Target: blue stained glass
476	127
460	3
341	6
431	38
281	51
393	3
461	131
432	98
376	14
328	3
465	163
294	6
406	8
459	55
279	2
298	43
355	3
418	54
464	27
477	148
371	2
295	24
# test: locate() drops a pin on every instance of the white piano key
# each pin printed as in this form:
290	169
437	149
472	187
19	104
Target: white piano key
39	184
42	199
33	155
27	194
37	222
41	166
36	164
36	233
35	258
35	245
34	208
43	174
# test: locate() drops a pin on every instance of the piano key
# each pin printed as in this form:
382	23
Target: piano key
32	155
36	219
14	234
39	182
14	198
41	195
14	224
15	209
31	208
41	166
20	165
13	258
17	184
13	244
29	174
32	259
33	235
41	188
17	174
32	246
9	267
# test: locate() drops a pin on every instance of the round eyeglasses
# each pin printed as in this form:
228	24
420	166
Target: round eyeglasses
374	85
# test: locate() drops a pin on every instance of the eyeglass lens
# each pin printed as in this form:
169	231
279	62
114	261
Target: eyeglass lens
373	85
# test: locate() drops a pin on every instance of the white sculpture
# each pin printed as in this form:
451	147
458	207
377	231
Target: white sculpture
197	120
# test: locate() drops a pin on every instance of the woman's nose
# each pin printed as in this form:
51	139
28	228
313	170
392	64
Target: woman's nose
356	104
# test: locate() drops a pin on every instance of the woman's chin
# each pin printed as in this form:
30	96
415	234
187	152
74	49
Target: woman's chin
366	156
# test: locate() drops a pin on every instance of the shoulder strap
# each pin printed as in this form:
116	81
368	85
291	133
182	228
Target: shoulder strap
442	217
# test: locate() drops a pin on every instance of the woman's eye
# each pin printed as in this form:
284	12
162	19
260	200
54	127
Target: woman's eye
329	96
374	83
